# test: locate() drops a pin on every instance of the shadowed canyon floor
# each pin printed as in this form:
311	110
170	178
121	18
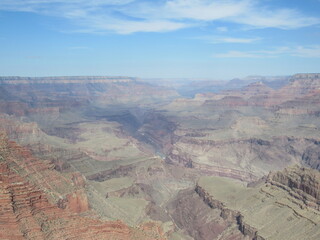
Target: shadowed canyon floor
119	158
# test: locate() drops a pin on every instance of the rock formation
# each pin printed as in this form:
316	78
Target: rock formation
302	183
28	209
259	94
280	199
92	150
24	95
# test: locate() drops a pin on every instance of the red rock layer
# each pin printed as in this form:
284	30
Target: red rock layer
302	183
27	213
258	94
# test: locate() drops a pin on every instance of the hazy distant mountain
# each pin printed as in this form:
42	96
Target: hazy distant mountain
191	87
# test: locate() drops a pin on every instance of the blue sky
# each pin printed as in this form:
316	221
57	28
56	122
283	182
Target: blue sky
218	39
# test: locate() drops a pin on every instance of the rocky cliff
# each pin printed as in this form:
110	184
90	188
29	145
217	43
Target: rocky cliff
302	183
65	79
258	94
280	199
33	207
33	94
243	159
200	219
230	215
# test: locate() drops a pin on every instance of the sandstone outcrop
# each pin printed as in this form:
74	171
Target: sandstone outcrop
258	94
284	199
30	210
40	95
302	183
200	219
134	154
64	80
235	158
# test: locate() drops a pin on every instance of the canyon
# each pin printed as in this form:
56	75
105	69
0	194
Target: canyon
124	158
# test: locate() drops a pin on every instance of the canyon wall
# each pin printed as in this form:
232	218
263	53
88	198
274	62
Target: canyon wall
287	198
39	203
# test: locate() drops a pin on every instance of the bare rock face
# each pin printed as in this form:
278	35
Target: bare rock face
22	132
198	218
243	155
230	101
281	206
28	209
258	94
76	202
303	183
240	134
64	80
13	107
300	86
51	95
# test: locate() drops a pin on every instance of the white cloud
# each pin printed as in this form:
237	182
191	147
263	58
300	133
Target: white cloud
307	52
237	54
298	51
129	16
205	10
232	40
128	27
282	18
222	29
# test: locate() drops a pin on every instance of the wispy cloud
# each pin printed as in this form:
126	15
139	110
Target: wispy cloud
237	54
95	24
310	52
216	40
299	51
222	29
278	18
129	16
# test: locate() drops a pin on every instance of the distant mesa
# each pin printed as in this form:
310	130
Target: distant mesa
67	79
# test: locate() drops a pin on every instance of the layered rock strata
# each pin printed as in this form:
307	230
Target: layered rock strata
258	94
281	200
301	183
28	209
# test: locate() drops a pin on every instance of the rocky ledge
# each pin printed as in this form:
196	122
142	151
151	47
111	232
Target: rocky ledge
301	183
29	208
287	200
232	216
62	79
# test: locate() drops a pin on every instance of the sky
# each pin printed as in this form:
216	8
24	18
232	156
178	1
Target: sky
216	39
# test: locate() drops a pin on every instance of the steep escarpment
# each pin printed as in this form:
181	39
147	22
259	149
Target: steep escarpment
302	183
244	159
35	95
64	79
201	220
259	94
246	133
113	146
27	214
29	209
40	173
158	131
229	215
279	200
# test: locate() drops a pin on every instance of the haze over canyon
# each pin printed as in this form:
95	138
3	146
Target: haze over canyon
102	157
